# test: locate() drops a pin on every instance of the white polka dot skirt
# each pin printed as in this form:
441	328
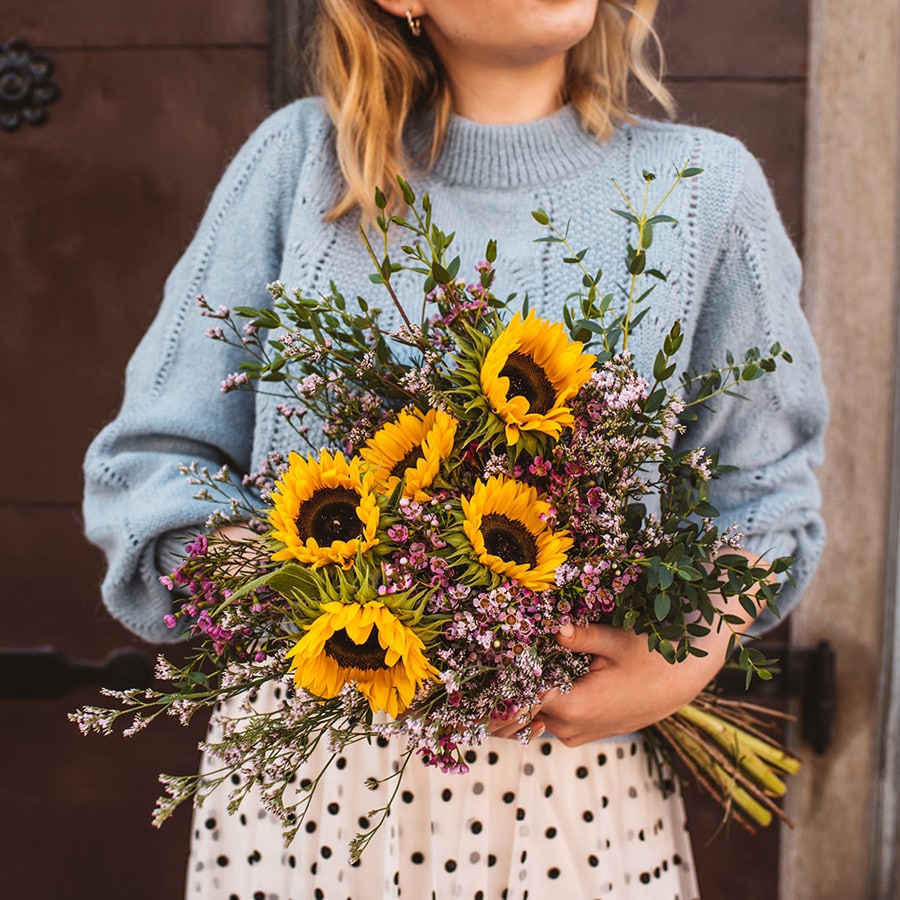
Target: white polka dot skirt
525	823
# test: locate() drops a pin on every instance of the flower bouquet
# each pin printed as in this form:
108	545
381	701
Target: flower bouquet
492	477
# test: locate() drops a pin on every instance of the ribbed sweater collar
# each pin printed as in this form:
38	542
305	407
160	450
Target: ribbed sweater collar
510	156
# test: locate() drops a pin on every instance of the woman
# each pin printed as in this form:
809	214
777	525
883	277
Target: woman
495	108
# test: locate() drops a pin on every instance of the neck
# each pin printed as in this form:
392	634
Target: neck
499	95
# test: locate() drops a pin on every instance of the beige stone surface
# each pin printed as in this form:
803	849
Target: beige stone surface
850	257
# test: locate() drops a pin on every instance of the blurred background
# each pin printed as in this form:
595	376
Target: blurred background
116	121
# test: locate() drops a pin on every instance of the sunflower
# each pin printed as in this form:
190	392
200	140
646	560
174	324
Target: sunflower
324	511
504	522
530	373
365	645
412	446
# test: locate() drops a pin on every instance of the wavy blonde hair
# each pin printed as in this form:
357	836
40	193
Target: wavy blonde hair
374	75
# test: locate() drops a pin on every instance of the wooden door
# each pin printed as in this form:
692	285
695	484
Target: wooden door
740	68
96	205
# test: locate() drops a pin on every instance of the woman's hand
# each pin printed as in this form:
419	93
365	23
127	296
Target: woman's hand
627	687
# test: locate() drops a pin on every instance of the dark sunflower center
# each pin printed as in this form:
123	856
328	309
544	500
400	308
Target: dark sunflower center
350	655
527	379
329	516
509	539
408	462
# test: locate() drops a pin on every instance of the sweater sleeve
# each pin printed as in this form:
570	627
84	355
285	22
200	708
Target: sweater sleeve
774	437
174	411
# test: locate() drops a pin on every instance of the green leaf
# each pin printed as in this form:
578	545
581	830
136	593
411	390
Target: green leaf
637	264
666	577
540	217
662	606
629	217
440	274
691	172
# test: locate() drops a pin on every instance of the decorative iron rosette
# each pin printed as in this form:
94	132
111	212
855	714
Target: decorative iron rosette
25	85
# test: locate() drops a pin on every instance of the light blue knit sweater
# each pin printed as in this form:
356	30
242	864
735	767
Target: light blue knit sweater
734	281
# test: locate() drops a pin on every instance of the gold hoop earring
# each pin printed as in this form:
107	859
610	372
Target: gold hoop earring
415	25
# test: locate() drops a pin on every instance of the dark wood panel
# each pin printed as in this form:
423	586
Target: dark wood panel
104	198
79	807
770	118
100	23
54	587
716	39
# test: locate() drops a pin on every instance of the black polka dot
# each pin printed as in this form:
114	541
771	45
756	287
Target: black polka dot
254	857
223	861
417	858
259	895
341	762
548	791
407	796
581	772
292	861
210	824
363	823
314	868
641	836
310	827
601	759
320	894
479	895
243	819
325	851
508	797
546	748
520	814
476	827
550	832
446	794
492	860
334	808
450	865
634	749
381	741
588	816
524	856
656	872
593	861
471	756
305	784
645	878
604	802
676	859
492	758
553	873
235	779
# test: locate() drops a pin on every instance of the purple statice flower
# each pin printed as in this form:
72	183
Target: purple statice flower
233	381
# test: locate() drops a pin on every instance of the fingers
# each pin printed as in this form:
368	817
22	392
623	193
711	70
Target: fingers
599	640
517	724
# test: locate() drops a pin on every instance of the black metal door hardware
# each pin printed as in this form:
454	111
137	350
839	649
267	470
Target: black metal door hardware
25	85
42	673
807	673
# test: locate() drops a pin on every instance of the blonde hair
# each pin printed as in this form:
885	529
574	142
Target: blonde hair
374	75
